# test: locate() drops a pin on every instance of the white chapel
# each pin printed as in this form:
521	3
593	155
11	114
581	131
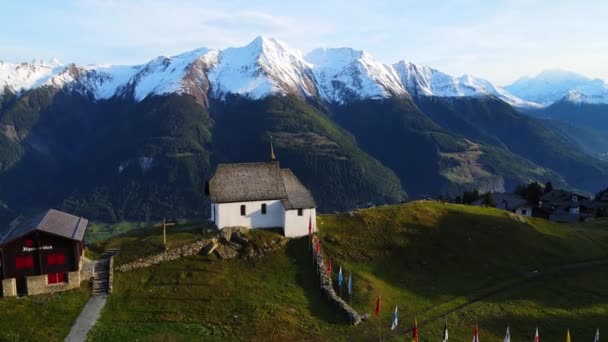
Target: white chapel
261	195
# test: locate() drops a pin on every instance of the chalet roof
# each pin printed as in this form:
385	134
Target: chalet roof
50	221
558	196
509	201
258	182
298	197
506	201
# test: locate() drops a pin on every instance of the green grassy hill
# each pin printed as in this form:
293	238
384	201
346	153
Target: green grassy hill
433	260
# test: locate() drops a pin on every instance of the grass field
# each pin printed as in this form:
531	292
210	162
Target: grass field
99	231
41	318
428	258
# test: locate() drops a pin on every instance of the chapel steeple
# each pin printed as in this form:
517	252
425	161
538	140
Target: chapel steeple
272	155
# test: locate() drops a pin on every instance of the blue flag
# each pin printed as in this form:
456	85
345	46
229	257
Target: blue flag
350	284
340	278
395	321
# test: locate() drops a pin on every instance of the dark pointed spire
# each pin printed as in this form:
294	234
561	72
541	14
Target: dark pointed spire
272	156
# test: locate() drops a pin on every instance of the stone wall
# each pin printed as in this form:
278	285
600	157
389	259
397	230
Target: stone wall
87	269
9	287
38	284
170	255
327	289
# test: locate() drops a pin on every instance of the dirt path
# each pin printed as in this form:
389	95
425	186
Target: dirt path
92	311
87	319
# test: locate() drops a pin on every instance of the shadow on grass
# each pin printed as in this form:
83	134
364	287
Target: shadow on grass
306	277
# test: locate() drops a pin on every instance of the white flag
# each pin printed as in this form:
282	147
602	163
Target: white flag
597	336
395	319
508	336
445	332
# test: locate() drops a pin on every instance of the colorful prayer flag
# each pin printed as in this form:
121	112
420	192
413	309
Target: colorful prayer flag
395	319
329	267
377	312
310	225
350	284
445	332
415	331
476	333
536	337
317	246
340	278
508	336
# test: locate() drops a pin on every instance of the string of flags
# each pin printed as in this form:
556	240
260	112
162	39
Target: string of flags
395	319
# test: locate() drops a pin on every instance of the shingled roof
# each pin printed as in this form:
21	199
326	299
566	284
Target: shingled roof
246	182
298	197
51	221
258	182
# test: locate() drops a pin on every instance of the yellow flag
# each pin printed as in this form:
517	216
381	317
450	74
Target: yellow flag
568	336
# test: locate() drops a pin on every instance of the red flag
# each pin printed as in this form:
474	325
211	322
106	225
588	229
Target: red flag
310	225
476	333
377	306
329	267
317	247
536	336
415	331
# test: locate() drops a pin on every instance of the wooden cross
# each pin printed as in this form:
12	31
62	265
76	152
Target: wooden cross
165	225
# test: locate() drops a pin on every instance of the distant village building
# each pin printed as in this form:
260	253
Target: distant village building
42	254
556	205
565	206
510	202
260	195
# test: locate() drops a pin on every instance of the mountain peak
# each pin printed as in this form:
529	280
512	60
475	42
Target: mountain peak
264	66
263	44
554	85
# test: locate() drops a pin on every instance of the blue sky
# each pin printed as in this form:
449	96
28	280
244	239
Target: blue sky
496	40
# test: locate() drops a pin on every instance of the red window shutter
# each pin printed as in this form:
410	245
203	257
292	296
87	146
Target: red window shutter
19	262
61	277
29	261
28	243
51	259
60	258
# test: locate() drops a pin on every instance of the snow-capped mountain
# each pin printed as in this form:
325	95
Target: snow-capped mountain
426	81
267	66
345	73
263	67
552	86
24	76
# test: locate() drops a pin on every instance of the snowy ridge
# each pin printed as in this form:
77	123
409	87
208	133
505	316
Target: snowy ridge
551	86
426	81
24	76
267	66
263	67
345	73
